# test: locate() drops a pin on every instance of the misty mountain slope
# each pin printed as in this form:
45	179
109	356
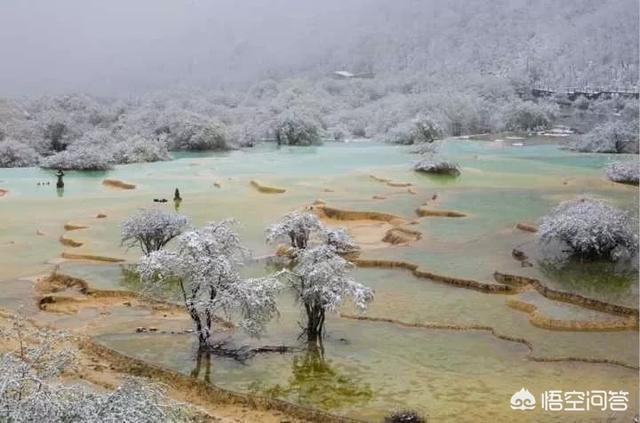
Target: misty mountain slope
120	46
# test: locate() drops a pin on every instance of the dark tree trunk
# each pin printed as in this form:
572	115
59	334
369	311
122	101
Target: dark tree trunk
203	359
315	322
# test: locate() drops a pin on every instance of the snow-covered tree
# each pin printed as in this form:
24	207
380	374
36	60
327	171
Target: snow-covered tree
304	230
589	229
80	157
320	280
626	172
205	265
438	167
613	136
340	241
191	131
416	131
152	229
31	388
138	149
295	127
529	116
297	228
58	134
16	154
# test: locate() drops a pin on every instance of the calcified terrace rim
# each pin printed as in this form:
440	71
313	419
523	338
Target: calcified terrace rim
492	331
70	242
116	183
265	189
90	257
536	318
48	286
340	214
391	183
507	284
423	211
70	226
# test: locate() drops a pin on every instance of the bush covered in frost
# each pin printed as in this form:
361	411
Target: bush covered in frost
32	390
79	157
438	167
427	149
404	416
191	131
16	154
294	127
588	229
614	136
530	116
627	172
138	150
151	229
416	131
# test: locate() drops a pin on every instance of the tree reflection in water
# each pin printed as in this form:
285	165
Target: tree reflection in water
314	382
203	364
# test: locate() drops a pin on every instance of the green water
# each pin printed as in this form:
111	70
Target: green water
369	368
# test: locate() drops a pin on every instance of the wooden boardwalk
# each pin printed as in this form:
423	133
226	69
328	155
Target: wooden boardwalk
590	93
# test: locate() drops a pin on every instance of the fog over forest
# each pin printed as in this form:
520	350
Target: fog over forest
123	47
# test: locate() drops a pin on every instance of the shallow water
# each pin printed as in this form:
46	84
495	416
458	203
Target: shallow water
370	367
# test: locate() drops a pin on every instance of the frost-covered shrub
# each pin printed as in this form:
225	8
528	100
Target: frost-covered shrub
416	131
138	149
190	131
428	149
627	172
294	127
581	103
589	229
439	167
529	116
247	134
297	228
401	134
16	154
58	134
80	157
338	132
151	229
614	136
426	130
462	114
31	389
340	241
304	230
404	416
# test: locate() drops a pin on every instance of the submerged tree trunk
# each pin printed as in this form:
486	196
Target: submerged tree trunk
315	322
203	360
202	330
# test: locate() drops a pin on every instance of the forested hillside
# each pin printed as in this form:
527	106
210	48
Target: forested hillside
233	78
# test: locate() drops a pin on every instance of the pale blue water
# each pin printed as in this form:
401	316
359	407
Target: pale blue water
446	374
